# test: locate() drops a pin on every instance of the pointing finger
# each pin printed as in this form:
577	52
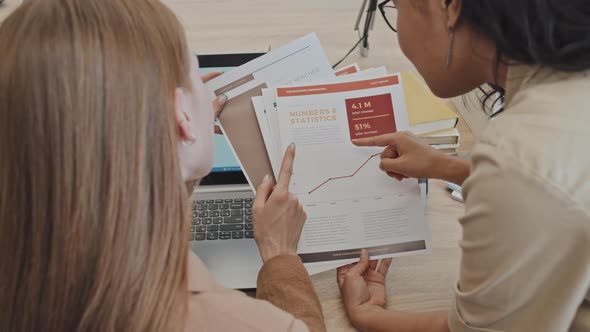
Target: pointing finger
286	168
383	140
209	76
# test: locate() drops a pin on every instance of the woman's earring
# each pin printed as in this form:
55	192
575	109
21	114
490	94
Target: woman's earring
187	127
190	141
187	144
451	44
186	116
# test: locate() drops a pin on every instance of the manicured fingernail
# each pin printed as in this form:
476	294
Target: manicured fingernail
364	252
266	178
292	146
222	99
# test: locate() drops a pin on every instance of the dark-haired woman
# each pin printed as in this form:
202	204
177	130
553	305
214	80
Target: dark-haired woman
526	231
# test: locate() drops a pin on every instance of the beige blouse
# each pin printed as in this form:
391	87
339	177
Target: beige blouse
287	301
526	232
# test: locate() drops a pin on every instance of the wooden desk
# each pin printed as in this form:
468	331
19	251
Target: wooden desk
417	283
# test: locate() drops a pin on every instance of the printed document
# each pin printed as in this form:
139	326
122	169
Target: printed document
268	114
350	204
301	61
293	95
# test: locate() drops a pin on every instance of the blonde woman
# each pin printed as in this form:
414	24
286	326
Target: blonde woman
102	120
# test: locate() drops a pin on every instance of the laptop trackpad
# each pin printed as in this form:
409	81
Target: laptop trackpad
233	263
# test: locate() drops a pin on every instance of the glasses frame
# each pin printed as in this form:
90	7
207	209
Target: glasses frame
382	10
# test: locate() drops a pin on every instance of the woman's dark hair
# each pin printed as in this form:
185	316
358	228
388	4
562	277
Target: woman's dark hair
548	33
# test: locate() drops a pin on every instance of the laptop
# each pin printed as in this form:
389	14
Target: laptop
221	222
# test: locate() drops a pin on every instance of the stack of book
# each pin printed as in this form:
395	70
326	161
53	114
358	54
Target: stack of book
430	118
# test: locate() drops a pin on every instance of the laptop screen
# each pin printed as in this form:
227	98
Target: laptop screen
226	168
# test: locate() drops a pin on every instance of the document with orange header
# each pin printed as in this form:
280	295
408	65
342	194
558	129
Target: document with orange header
268	116
350	69
351	204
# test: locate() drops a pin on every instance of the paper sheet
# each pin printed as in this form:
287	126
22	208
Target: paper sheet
300	61
351	69
350	204
274	148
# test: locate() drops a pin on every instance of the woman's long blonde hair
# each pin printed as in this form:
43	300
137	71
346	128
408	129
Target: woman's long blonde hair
93	214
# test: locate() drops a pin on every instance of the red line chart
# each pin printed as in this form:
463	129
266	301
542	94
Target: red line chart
346	176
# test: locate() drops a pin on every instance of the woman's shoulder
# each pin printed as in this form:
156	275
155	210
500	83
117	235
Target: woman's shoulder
556	164
229	310
214	308
547	89
543	136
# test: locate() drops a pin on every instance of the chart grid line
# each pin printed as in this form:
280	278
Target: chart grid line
345	176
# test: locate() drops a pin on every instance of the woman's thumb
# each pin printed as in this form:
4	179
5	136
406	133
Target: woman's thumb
360	268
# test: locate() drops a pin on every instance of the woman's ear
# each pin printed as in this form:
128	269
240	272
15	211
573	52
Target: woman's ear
453	11
183	120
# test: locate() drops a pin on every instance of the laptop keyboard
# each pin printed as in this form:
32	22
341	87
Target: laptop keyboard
221	219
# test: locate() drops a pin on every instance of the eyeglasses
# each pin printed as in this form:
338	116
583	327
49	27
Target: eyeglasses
389	12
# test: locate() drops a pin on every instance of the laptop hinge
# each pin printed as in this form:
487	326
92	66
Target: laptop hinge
225	188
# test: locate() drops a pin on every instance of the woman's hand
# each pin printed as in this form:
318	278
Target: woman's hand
404	156
278	217
219	102
407	156
362	286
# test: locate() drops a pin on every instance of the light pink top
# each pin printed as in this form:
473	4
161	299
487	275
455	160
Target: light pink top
215	308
